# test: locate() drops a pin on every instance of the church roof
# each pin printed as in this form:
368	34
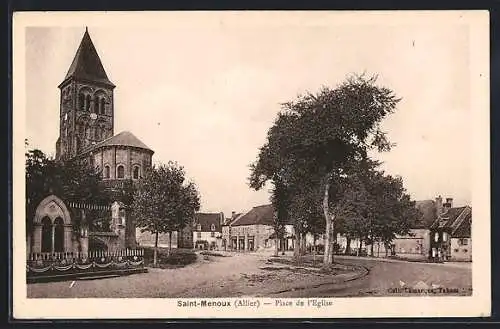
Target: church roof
87	65
125	138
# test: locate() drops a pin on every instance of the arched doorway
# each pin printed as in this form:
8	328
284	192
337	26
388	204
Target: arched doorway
46	235
52	227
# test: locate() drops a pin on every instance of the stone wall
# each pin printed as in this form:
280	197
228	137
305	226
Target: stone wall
128	157
148	239
245	234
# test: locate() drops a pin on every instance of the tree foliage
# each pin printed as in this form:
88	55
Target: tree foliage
317	136
72	180
163	201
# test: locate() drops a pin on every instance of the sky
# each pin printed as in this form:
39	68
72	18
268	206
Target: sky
205	94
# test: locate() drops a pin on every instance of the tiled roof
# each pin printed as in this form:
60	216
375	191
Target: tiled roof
228	221
124	138
463	229
206	220
263	215
258	215
86	64
456	220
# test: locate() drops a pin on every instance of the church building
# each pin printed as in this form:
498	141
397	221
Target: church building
87	132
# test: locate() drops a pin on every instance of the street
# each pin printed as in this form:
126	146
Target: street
387	278
251	275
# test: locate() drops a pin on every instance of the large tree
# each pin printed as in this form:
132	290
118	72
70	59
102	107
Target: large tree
320	134
164	201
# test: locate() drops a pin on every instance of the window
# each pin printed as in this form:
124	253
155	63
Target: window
463	241
212	228
106	171
122	217
445	236
455	250
81	102
96	105
120	172
87	103
199	235
101	105
212	234
136	172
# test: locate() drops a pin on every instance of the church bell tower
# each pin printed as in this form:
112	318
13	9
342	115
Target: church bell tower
86	104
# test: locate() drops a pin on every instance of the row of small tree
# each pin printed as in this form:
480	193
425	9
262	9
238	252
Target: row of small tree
161	202
316	156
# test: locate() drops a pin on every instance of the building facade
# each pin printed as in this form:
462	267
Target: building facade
250	231
207	231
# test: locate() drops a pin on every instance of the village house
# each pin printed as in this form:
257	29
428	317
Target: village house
250	231
416	244
207	230
451	232
254	230
226	230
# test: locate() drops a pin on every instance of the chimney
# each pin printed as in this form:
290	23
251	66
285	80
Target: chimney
448	204
233	213
439	205
221	218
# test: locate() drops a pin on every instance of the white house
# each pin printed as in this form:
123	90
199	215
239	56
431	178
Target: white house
207	233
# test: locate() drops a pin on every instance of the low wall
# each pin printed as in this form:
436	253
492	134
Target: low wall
66	265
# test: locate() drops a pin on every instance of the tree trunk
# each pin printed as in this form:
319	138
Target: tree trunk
276	243
296	249
169	243
330	254
348	245
314	249
304	244
327	259
155	251
371	248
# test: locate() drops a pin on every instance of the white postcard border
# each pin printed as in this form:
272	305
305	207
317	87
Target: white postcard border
476	305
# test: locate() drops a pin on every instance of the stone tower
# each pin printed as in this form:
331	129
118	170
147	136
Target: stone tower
86	104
